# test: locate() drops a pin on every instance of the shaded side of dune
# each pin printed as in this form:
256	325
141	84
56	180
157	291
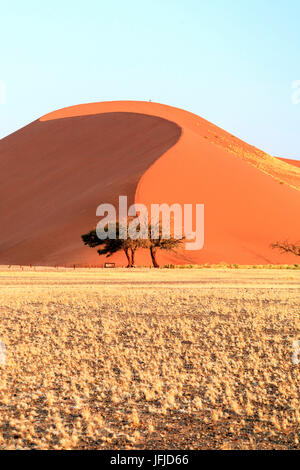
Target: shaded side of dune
54	174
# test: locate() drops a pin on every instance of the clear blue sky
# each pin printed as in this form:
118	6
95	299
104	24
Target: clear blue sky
230	61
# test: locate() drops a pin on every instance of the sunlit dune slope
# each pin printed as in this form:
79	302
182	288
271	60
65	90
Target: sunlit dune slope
57	170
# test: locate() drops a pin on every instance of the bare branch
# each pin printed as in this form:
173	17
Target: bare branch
287	247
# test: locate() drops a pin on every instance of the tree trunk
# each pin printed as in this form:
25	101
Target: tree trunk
132	258
128	258
153	257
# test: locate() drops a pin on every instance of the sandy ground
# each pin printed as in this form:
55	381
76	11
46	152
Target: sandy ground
145	277
119	359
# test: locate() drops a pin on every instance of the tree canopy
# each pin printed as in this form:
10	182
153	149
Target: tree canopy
109	246
287	247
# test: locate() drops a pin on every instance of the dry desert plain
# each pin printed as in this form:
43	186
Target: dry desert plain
149	359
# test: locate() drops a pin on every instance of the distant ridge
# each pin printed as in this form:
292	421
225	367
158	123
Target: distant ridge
291	161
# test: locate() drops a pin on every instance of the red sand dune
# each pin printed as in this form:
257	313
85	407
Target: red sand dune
58	169
291	162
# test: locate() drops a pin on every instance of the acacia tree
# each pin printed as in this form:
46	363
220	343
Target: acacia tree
287	247
110	246
160	243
